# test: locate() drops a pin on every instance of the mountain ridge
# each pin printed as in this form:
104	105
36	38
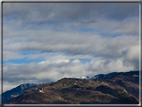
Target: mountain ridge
119	88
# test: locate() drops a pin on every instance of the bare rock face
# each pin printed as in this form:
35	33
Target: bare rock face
121	88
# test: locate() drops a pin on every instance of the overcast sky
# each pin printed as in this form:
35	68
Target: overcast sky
44	42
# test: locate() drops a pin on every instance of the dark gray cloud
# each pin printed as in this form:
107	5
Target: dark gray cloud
96	16
70	11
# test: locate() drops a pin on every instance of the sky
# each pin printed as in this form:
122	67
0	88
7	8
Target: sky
44	42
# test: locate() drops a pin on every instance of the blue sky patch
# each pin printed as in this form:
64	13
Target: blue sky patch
27	61
27	53
24	60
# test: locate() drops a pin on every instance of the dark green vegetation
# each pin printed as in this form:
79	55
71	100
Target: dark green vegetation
115	88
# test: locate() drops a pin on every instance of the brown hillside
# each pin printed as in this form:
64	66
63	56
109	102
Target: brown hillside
80	91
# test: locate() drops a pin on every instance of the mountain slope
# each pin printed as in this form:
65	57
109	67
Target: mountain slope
128	80
17	91
80	91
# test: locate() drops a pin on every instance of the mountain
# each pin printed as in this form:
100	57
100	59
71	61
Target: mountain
114	74
128	80
113	88
17	91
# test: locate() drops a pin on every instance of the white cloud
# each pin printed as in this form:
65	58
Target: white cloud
52	71
9	55
76	61
56	61
110	65
133	53
73	43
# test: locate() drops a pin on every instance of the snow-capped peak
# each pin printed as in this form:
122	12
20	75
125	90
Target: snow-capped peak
83	77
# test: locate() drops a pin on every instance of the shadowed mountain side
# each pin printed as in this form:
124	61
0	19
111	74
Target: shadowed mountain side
128	80
17	91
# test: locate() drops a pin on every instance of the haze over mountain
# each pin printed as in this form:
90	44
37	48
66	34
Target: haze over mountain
112	88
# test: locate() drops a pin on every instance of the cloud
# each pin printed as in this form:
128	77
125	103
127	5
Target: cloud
70	11
9	55
109	65
61	34
132	56
70	43
56	69
122	18
133	53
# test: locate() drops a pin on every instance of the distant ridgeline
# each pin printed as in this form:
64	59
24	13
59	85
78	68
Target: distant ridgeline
112	88
113	74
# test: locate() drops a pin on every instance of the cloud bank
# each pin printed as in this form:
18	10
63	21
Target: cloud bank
43	42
